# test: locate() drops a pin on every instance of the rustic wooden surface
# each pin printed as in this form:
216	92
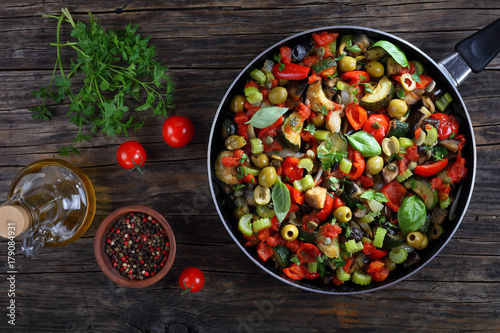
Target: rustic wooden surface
206	44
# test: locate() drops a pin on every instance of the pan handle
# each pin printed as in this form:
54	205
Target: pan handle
473	53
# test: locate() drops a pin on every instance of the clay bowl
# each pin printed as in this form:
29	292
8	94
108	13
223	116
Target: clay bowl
103	260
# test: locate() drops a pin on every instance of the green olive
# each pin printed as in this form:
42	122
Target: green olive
237	103
397	108
375	69
342	214
289	232
318	119
267	176
260	161
277	95
374	164
389	263
417	240
347	64
235	142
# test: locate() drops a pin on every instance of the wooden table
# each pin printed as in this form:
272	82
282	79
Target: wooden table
206	45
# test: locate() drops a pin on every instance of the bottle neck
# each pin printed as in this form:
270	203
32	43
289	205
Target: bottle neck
17	220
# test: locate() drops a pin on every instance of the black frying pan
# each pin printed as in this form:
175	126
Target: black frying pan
472	54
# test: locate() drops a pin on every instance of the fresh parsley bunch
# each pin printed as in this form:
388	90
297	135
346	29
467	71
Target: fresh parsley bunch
116	65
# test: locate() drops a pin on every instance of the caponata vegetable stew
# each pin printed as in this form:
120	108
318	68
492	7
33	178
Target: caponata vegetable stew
342	159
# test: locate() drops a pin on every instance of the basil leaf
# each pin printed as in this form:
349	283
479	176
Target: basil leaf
411	214
394	51
266	116
365	143
281	200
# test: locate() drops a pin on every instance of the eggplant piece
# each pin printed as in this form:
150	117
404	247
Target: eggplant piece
353	190
375	53
417	117
438	215
412	259
423	155
450	144
356	232
296	88
363	42
301	50
390	172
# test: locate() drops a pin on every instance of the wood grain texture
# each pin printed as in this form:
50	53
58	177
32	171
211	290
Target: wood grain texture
206	44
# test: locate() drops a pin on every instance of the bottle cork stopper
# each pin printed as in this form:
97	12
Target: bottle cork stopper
15	219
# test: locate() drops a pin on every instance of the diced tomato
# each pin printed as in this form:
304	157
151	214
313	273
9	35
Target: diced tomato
330	230
458	171
304	111
309	217
381	275
293	245
275	240
324	38
286	54
275	146
271	130
295	272
264	251
263	234
348	265
251	240
378	254
313	78
336	281
412	153
366	181
395	193
232	161
275	223
368	248
248	179
378	271
308	252
424	81
310	60
240	118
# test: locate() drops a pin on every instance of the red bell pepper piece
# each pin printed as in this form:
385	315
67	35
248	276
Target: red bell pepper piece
356	115
355	77
324	38
395	193
297	196
337	202
275	223
427	170
263	234
311	276
448	124
424	81
264	251
295	272
291	169
366	181
308	252
290	71
368	248
327	209
358	163
348	265
272	129
378	126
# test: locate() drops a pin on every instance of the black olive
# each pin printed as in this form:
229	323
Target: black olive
301	50
356	233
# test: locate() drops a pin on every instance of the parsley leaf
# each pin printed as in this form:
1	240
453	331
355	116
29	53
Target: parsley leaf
310	128
372	195
114	67
329	159
324	110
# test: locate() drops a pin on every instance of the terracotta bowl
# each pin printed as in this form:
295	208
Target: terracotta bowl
105	263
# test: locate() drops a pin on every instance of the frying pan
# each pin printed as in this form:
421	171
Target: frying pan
470	55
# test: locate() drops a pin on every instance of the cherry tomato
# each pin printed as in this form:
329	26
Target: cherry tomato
178	131
191	280
131	155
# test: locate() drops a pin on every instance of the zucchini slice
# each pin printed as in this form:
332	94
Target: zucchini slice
380	97
424	190
391	240
398	128
291	129
281	256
